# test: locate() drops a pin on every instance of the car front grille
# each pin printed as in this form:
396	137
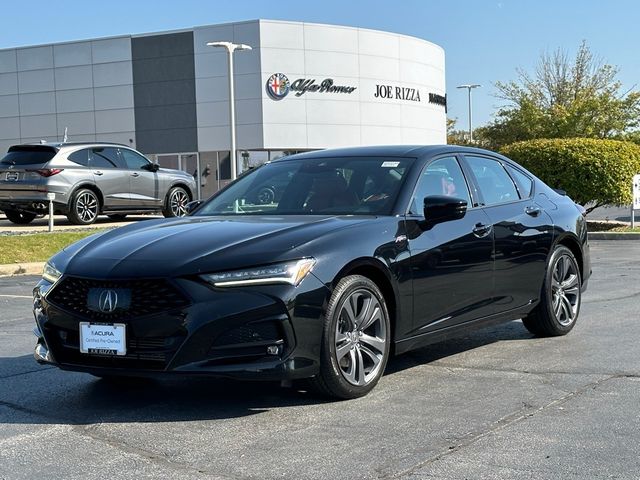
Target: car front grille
267	331
151	353
148	297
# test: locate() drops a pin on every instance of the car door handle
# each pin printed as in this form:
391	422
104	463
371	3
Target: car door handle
98	172
135	174
482	230
533	210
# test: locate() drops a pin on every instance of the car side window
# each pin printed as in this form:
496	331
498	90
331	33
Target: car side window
81	157
104	157
440	177
522	181
494	183
133	160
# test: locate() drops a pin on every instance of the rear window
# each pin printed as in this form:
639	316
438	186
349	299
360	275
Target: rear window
28	156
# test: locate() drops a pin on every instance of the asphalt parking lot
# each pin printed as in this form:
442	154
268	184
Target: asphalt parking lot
495	404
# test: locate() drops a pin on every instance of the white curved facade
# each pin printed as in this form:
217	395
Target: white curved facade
407	71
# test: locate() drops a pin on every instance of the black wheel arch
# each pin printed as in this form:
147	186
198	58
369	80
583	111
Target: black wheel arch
378	272
183	186
572	242
87	186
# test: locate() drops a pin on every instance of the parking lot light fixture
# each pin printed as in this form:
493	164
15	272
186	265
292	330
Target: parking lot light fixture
231	48
469	87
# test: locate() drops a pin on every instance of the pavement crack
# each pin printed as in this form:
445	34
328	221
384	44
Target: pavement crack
159	459
610	299
41	369
451	367
506	421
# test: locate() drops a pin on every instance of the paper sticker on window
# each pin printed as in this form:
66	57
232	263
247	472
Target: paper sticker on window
390	164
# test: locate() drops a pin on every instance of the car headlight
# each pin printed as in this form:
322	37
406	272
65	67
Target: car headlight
291	273
50	273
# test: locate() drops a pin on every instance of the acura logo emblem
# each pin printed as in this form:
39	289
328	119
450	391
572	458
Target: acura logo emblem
108	301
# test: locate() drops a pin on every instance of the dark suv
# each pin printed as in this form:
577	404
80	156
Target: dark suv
88	179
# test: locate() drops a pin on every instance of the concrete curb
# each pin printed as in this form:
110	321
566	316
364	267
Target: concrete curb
34	268
613	236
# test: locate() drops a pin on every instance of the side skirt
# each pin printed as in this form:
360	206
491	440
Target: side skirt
417	341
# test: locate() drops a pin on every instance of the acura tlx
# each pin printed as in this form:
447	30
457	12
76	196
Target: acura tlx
358	254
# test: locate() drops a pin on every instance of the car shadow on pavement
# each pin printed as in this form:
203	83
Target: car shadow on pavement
46	395
479	338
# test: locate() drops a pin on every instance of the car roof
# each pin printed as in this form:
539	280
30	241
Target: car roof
57	146
405	151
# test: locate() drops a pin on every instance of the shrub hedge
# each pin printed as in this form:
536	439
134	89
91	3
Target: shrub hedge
592	171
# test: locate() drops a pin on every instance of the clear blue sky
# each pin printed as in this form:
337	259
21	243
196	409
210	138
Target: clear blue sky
484	41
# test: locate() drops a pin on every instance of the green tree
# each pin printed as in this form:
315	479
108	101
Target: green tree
564	99
593	172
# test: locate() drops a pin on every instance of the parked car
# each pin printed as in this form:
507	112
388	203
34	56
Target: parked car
88	179
368	252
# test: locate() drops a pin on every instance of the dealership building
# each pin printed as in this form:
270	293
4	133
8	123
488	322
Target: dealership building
302	87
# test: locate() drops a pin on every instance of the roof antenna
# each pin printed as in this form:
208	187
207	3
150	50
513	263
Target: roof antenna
64	139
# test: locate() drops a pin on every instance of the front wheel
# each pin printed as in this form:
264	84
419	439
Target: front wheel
18	217
356	340
175	204
84	207
560	299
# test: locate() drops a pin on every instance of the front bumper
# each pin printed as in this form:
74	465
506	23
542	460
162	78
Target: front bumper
261	333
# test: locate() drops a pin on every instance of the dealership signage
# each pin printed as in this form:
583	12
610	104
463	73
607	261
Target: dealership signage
410	94
278	86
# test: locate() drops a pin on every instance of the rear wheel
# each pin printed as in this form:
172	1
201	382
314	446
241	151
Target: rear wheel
356	339
84	207
175	204
559	306
117	217
19	217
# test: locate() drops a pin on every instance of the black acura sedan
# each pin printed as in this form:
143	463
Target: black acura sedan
367	252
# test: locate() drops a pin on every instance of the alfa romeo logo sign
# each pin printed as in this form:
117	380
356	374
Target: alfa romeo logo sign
278	86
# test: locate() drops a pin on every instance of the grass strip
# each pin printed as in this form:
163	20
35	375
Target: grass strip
37	247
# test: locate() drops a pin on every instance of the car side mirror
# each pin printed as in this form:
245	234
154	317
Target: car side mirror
192	206
151	167
440	209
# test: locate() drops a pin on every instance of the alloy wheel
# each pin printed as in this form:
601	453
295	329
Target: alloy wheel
87	207
565	290
360	337
178	203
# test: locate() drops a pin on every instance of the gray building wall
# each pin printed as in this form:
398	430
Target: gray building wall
164	93
84	86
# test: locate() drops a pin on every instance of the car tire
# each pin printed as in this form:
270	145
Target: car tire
557	312
118	217
19	217
355	341
84	207
175	204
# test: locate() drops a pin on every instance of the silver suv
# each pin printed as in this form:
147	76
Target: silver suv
88	179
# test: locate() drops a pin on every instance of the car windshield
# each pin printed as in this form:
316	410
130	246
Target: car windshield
314	186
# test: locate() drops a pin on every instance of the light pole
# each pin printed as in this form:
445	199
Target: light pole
470	87
231	47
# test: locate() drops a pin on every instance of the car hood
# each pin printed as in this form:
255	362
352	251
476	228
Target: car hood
193	245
